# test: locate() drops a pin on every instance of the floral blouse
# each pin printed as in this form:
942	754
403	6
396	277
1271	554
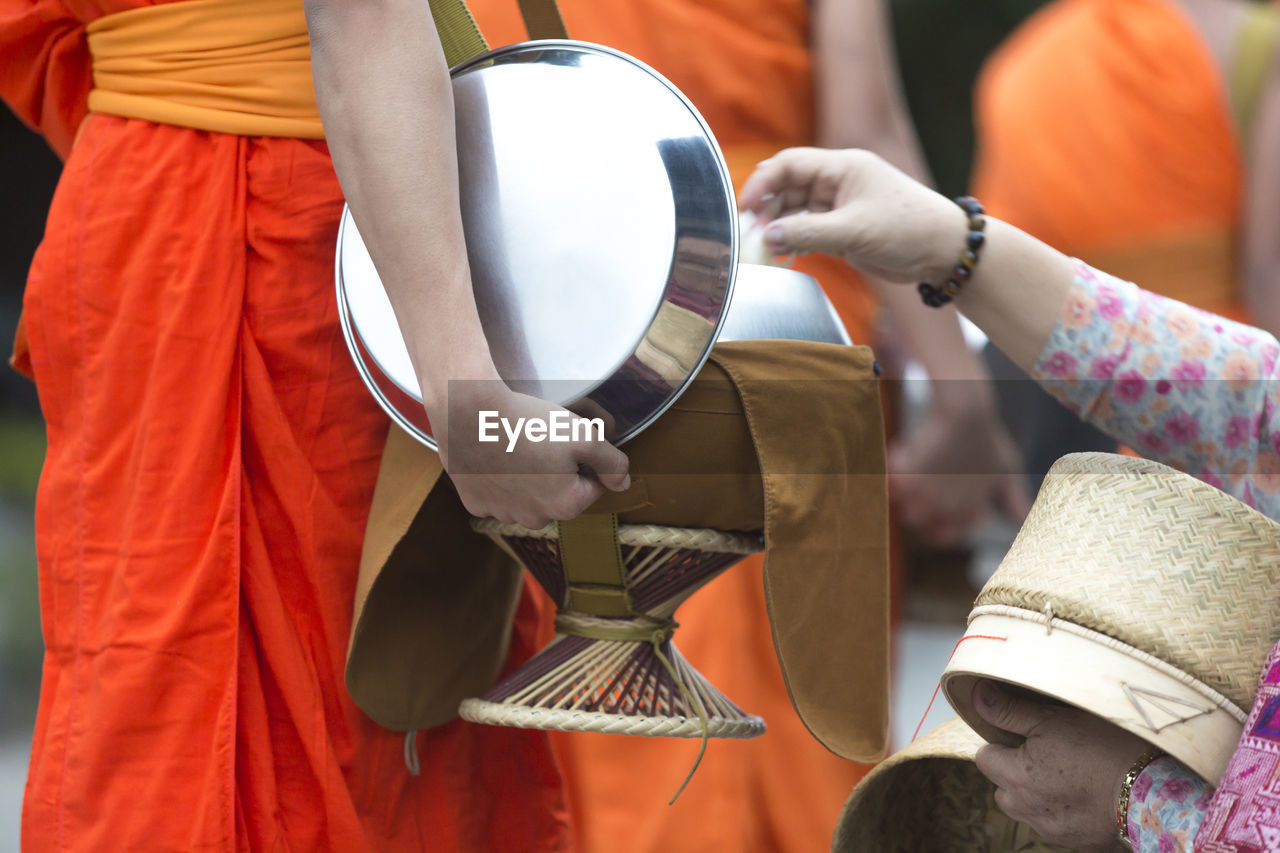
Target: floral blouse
1198	392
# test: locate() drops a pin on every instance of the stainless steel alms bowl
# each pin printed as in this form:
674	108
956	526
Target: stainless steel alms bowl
602	235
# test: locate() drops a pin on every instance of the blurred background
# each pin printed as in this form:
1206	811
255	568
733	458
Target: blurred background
27	179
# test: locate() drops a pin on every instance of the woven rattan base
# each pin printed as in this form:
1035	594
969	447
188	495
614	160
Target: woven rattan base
497	714
578	684
619	673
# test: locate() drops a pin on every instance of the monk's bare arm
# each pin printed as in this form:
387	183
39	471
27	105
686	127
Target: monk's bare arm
387	107
861	105
384	95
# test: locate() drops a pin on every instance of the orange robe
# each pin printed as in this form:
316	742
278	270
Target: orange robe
1105	129
211	457
747	67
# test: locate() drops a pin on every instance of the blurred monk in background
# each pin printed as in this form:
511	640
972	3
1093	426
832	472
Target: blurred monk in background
1140	136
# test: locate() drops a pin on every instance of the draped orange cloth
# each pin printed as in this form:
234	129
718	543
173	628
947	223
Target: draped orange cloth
1105	128
211	457
747	67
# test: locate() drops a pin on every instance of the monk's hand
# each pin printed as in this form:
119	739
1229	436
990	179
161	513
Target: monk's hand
505	465
1064	780
854	205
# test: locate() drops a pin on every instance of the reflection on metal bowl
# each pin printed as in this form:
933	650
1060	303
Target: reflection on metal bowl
773	303
602	236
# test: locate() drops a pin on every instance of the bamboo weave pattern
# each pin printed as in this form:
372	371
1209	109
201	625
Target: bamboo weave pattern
930	796
1154	558
620	686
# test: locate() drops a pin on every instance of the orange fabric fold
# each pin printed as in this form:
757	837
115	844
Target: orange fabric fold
211	459
212	456
1105	129
229	66
21	358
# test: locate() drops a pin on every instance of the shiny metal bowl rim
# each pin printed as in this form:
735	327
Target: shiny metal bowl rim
360	352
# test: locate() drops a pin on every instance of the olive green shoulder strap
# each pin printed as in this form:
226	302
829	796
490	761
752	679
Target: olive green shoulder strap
542	19
1251	61
462	40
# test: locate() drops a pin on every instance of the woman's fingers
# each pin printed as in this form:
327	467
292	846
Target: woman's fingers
789	174
1063	781
1005	711
1007	803
831	233
1000	765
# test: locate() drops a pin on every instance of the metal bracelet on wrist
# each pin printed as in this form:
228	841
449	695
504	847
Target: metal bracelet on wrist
1126	792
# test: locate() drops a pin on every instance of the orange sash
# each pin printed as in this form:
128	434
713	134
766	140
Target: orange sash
229	66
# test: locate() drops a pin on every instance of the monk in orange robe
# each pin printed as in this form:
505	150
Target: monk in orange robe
1121	131
211	456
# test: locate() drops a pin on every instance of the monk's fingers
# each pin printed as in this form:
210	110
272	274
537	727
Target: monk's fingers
608	464
576	498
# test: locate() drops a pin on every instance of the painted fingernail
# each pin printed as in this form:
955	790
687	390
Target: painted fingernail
774	237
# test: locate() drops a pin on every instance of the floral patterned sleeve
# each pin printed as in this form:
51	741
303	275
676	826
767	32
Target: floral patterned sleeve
1167	805
1176	384
1197	392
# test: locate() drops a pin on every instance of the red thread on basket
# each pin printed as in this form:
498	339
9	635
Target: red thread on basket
929	708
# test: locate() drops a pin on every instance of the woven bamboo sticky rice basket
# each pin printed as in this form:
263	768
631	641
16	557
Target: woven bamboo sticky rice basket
930	798
1138	593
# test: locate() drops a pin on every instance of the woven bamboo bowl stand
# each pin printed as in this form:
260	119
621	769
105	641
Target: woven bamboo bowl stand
611	667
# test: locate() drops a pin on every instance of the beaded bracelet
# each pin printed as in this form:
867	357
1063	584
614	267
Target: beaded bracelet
936	297
1126	792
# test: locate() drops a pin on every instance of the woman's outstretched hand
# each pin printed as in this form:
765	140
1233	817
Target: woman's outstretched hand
854	205
1064	780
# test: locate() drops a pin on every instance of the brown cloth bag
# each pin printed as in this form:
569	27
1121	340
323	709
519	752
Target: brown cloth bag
780	436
